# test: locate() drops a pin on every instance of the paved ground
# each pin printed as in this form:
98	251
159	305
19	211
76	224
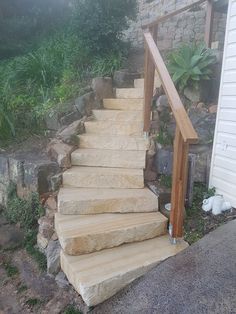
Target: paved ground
200	280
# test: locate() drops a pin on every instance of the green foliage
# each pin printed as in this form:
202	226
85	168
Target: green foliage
107	65
164	137
55	69
27	213
30	85
70	309
99	24
30	242
190	65
22	288
194	223
166	181
10	269
200	193
33	302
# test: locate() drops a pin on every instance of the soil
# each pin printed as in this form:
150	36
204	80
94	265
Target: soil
197	224
25	289
33	143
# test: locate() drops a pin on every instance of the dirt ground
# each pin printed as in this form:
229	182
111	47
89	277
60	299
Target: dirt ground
25	289
198	224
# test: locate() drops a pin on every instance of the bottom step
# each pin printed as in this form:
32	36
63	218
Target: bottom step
98	276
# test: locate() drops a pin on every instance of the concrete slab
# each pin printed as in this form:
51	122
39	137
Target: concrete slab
201	279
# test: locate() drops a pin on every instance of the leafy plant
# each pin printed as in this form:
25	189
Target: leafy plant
195	224
22	288
107	65
100	24
32	302
70	309
190	65
164	137
166	181
27	213
11	269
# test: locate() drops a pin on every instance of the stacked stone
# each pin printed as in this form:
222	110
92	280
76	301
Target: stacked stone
186	27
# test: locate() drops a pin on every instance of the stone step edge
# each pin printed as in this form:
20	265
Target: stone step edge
93	296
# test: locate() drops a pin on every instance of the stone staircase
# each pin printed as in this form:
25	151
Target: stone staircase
108	222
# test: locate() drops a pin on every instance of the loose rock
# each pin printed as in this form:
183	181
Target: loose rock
69	134
62	280
53	257
60	152
102	87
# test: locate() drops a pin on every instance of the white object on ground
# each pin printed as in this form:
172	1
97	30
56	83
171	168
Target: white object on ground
207	204
168	206
216	203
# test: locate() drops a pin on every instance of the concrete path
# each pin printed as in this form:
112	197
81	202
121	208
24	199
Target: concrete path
201	279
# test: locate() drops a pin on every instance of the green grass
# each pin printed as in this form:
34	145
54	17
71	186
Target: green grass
10	269
22	288
70	309
166	181
32	302
194	227
26	213
33	84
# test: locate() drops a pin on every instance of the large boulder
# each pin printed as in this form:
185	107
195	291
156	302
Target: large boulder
124	78
204	124
103	88
84	104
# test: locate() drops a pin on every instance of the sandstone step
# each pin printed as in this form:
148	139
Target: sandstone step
121	142
79	201
139	83
109	158
98	276
81	234
123	104
129	93
98	177
114	128
118	115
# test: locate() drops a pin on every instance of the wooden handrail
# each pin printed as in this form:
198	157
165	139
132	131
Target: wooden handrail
172	14
185	126
184	134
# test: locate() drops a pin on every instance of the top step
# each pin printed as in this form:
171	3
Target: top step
139	83
123	104
128	93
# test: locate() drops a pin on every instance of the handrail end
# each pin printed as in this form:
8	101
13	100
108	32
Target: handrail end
192	140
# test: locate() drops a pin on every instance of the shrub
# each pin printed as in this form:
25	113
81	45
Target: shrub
107	65
31	84
190	65
27	213
100	24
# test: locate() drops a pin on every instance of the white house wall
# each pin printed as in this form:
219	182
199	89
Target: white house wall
223	166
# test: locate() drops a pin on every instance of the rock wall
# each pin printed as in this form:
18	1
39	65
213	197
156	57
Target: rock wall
186	27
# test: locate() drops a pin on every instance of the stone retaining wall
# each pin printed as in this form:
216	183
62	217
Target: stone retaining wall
186	27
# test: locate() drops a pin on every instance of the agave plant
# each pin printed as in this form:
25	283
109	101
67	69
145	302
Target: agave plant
190	65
